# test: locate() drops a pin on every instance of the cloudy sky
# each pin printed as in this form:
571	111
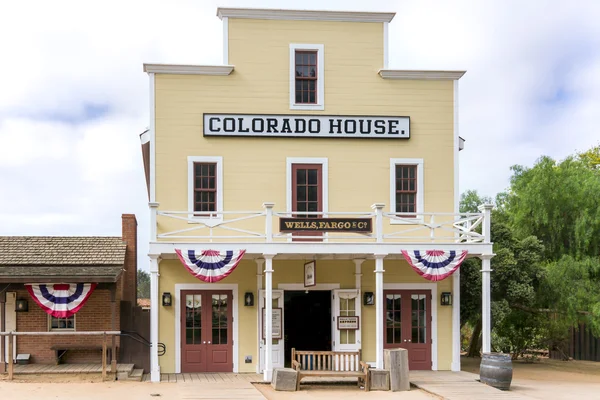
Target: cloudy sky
73	97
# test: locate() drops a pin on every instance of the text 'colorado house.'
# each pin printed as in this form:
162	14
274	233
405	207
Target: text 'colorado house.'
304	195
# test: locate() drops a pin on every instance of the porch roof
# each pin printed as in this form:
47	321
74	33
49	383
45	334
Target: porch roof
61	258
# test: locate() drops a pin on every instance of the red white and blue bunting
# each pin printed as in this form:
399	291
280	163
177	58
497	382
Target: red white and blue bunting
61	300
435	265
211	265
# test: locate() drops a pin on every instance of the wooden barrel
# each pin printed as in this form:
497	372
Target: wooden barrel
496	370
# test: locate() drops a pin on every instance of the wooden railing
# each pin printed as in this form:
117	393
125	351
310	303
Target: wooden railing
262	226
104	334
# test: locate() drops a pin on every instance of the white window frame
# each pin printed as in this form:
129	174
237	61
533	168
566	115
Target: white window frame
290	161
205	159
50	329
320	49
420	187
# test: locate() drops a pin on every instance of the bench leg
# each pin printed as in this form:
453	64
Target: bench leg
298	381
367	382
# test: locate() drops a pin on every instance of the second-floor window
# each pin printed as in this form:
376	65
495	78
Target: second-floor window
307	189
407	190
205	187
306	77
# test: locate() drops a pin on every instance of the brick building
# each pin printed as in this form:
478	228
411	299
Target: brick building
108	262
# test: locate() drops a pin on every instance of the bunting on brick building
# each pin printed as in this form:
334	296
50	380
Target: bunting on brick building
210	265
61	300
435	265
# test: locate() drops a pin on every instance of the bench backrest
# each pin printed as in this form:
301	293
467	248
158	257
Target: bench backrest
328	360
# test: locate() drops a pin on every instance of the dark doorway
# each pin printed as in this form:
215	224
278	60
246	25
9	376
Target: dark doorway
307	321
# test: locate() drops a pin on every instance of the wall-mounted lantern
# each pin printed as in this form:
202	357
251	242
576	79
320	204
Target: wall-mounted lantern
368	299
249	299
446	299
22	305
166	299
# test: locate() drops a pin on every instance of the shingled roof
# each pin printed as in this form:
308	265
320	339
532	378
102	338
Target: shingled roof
76	258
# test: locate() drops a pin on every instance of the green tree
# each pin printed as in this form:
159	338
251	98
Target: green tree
143	284
515	281
557	202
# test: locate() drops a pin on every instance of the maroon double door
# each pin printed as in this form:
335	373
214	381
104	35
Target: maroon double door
206	331
408	325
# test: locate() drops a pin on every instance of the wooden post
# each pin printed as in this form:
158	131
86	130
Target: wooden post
2	329
113	352
103	356
10	357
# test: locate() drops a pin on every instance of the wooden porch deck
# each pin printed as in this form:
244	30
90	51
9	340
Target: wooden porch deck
458	386
67	368
209	377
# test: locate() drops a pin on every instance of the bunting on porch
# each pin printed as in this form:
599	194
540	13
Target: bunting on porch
435	265
61	300
211	265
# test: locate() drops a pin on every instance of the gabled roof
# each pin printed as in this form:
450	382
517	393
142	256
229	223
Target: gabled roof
61	258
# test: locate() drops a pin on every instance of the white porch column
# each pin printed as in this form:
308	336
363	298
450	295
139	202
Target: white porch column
268	372
259	277
486	312
379	309
154	306
358	273
455	321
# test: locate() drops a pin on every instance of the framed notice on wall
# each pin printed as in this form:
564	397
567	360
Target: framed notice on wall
310	274
277	323
350	323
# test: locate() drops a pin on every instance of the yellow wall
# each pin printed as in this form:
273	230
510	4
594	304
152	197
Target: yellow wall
255	168
328	271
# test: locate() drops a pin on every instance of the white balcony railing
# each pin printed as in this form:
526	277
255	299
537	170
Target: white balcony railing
263	226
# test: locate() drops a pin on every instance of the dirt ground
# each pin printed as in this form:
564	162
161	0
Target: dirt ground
329	392
551	379
546	370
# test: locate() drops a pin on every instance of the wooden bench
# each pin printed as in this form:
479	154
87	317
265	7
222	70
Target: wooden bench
61	349
339	364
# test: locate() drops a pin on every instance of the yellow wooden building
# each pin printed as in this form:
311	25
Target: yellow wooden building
305	195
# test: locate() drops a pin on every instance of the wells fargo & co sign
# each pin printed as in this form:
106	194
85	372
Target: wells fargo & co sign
359	225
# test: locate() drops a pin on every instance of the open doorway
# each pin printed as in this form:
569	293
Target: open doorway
307	321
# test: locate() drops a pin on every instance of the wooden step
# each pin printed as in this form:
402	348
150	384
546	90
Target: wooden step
136	375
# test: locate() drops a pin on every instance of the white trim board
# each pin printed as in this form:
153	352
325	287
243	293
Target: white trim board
300	286
320	49
456	276
420	74
225	41
420	185
180	69
152	139
305	15
434	315
219	172
205	286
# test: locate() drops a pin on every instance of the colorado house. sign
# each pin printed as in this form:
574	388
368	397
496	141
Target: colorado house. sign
301	125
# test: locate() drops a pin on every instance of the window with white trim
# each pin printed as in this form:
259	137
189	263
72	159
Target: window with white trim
406	188
205	187
61	324
307	80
